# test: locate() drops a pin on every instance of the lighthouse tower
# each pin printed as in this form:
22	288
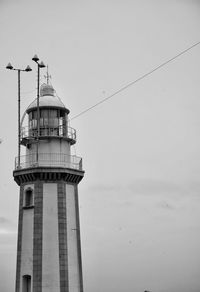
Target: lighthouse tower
49	250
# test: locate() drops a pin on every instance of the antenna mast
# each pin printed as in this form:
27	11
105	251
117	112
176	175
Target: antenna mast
47	76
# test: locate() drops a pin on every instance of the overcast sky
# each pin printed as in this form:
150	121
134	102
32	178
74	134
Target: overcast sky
140	197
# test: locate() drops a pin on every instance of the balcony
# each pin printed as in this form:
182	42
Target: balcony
49	160
67	133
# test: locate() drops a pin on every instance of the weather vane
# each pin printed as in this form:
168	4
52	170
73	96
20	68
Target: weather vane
47	76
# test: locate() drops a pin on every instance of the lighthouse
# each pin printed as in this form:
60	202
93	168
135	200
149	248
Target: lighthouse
49	247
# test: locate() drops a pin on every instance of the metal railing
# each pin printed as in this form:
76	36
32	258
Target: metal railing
49	160
60	131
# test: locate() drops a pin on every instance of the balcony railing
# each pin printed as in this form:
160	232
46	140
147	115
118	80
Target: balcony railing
60	131
49	160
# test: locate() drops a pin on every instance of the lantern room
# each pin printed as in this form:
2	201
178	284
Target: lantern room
53	118
49	143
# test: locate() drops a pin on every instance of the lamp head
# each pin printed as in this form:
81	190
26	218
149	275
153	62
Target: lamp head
28	69
9	66
41	65
35	58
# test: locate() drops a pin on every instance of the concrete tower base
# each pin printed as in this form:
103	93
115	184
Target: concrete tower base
49	249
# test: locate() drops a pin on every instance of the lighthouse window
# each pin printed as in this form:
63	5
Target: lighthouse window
53	122
33	120
28	198
44	118
53	118
26	283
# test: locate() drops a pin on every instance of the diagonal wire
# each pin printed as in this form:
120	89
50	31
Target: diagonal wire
136	80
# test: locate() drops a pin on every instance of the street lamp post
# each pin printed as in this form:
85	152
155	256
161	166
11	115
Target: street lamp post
39	65
28	69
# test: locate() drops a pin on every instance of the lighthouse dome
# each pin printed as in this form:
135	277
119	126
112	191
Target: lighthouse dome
47	99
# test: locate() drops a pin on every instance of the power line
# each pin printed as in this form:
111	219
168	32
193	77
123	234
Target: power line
136	80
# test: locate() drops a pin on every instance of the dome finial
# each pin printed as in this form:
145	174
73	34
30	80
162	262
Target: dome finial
46	89
47	76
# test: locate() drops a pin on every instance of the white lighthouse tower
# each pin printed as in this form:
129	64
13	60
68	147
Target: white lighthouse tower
49	250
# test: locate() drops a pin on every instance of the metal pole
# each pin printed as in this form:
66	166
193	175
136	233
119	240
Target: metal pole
28	69
38	112
19	127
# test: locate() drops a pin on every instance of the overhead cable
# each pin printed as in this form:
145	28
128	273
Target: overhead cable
135	81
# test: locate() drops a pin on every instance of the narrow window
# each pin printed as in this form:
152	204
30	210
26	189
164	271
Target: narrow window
26	283
28	198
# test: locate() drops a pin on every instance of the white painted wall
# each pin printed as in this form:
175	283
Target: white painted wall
49	146
73	268
50	256
27	242
55	145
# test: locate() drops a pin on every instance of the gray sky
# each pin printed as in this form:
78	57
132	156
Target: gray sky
139	200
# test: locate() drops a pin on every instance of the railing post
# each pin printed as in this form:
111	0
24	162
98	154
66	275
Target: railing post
80	164
50	159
